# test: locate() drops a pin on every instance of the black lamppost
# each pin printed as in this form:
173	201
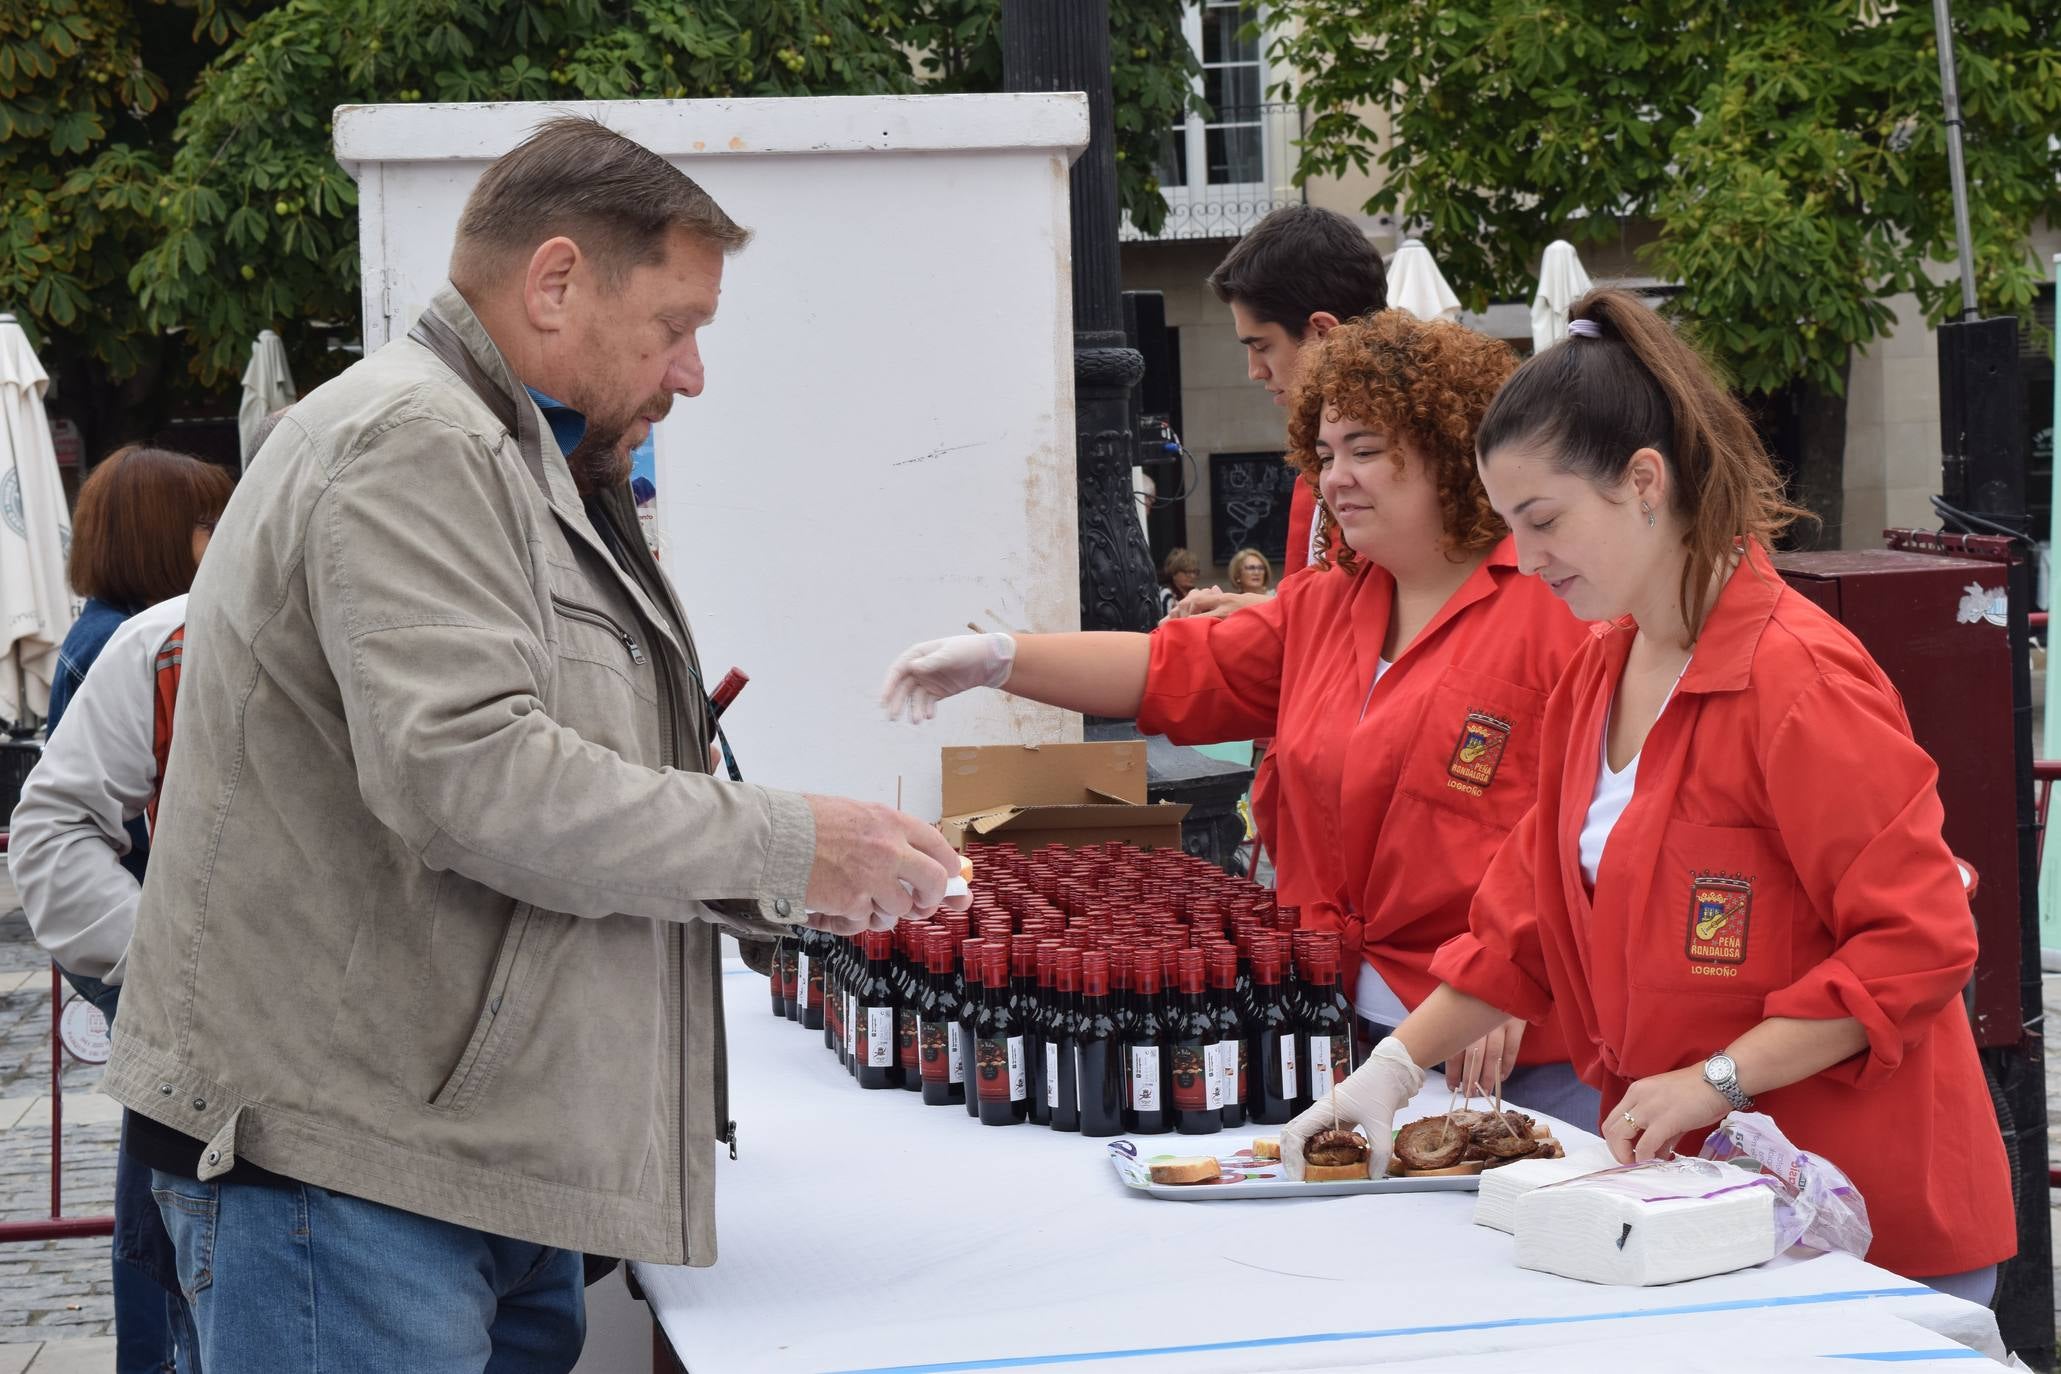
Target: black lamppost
1063	45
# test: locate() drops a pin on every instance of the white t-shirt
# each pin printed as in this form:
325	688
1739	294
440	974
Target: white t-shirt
1613	793
1373	998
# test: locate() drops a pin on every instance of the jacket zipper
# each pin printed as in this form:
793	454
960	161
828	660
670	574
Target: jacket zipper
588	614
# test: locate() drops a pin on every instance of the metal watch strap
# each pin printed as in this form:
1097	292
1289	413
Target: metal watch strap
1729	1087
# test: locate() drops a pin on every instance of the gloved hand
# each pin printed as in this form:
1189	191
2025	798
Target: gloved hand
1369	1098
929	672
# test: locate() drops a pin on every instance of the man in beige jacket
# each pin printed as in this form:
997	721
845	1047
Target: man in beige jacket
424	998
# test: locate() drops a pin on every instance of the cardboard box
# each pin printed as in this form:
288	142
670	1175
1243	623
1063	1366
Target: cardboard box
1072	794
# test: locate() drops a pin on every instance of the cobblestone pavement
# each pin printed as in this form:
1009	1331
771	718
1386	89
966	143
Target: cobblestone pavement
50	1291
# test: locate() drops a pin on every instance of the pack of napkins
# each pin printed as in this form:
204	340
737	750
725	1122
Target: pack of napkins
1496	1204
1643	1224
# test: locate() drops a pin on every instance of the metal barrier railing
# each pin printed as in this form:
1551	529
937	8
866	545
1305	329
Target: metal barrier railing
56	1226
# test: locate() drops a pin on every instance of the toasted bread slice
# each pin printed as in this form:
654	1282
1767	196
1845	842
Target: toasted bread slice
1193	1169
1266	1147
1472	1166
1335	1173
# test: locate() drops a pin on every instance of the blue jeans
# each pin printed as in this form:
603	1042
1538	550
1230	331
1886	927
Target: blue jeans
295	1277
153	1328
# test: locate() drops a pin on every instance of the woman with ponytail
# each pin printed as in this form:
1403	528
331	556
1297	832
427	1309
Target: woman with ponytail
1732	891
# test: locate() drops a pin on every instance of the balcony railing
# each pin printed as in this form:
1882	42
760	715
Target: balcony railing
1224	174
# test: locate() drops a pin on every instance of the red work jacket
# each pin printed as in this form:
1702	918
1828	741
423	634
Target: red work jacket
1389	802
1780	857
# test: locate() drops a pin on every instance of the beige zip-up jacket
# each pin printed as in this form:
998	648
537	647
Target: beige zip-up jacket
432	908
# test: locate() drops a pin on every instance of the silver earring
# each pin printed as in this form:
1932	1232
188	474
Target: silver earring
1647	511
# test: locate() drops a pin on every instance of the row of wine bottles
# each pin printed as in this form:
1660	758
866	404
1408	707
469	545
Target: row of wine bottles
1144	1009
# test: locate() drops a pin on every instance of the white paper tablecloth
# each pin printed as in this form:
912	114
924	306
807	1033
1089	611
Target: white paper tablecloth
865	1231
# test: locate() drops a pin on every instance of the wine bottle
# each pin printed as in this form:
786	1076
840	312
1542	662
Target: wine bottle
1062	1042
1326	1028
998	1064
1198	1085
1098	1052
808	979
1275	1081
776	975
1023	1007
970	953
874	1057
1231	1049
1150	1068
908	998
943	1076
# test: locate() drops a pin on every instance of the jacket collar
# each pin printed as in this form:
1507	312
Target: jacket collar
1371	621
1722	659
450	329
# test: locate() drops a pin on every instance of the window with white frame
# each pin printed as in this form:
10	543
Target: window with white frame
1223	169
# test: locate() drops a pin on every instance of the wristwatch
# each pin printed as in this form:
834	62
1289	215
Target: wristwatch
1721	1073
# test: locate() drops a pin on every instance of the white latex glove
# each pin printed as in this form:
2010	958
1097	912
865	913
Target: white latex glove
1369	1098
929	672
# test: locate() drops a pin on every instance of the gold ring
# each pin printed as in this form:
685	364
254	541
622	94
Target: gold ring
1629	1119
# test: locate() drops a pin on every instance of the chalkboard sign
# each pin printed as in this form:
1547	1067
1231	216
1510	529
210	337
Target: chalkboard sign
1248	504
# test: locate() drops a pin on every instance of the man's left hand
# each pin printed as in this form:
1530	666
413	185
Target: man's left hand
1657	1112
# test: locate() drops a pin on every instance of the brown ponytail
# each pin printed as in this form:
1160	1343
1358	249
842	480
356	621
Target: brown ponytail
1595	401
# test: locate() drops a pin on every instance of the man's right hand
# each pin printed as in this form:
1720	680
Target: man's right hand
1213	601
874	863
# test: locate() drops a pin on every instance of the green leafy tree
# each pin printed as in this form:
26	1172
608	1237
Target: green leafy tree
202	203
85	134
1791	159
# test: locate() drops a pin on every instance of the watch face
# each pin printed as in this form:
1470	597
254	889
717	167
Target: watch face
1719	1068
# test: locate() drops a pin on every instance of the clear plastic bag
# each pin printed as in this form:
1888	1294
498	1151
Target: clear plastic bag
1815	1203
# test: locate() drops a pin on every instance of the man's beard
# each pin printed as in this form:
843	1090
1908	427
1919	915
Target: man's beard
600	461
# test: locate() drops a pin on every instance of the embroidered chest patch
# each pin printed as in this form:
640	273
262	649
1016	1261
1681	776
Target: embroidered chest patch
1476	757
1720	914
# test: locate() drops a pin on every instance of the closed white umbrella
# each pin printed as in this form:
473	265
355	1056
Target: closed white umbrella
1415	284
267	385
36	607
1562	282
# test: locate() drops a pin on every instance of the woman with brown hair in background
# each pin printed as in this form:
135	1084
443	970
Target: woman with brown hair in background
143	517
142	522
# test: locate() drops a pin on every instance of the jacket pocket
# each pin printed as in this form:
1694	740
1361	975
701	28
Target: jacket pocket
490	1031
1721	914
1477	748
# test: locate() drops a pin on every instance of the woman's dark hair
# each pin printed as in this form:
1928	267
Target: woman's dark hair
1178	561
132	533
1300	260
1593	402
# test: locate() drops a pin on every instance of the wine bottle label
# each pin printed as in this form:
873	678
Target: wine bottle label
905	1037
998	1069
1192	1077
1229	1055
940	1054
1145	1079
880	1038
955	1066
1217	1056
1052	1074
801	977
1320	1065
1289	1081
850	1022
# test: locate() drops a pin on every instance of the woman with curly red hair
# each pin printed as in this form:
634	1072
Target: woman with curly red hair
1403	688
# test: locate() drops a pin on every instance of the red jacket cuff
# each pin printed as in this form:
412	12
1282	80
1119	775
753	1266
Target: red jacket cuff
1468	965
1830	992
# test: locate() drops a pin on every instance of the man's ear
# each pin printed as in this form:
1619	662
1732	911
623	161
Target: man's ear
547	283
1322	322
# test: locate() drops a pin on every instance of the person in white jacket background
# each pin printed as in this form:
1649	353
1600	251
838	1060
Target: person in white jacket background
100	772
68	837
